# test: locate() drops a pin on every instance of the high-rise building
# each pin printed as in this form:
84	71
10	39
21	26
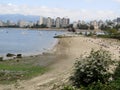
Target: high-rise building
65	22
58	22
100	23
95	24
42	20
30	24
75	25
10	23
1	24
79	22
49	22
68	21
53	23
22	23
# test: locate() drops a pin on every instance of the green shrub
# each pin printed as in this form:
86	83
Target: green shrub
116	75
98	86
80	33
114	85
92	69
90	34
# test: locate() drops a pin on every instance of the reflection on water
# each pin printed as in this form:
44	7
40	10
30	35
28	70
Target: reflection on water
26	42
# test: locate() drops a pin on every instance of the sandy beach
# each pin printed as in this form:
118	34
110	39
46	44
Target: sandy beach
61	61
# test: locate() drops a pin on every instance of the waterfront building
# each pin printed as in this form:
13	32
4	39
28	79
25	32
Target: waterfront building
22	23
10	23
42	20
1	24
49	22
100	23
58	22
65	22
95	24
53	23
75	24
30	24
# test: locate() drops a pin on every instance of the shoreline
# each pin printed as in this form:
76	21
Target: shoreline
47	29
41	48
62	59
47	50
53	48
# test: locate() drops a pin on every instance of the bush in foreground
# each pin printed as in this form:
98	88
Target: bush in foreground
93	69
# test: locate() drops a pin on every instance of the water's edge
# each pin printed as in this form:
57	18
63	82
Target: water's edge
30	39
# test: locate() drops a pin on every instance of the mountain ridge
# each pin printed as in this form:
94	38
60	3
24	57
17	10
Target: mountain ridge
17	17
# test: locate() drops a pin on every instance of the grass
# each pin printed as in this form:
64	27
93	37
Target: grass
10	71
114	36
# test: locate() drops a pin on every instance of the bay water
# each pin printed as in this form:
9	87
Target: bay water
26	41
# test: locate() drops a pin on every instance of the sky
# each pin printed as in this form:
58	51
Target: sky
73	9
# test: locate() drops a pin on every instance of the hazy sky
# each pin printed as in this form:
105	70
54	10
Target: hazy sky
74	9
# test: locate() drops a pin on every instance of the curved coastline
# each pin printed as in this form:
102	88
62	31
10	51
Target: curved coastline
46	51
45	44
61	61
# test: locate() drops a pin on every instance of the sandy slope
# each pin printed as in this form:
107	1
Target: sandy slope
67	50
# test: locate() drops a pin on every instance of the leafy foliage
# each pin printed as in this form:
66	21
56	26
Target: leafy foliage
116	75
112	31
93	68
83	26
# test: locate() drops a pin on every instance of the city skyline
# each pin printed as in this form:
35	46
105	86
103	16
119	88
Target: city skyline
74	9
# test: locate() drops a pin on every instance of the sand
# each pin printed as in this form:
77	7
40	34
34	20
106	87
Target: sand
63	57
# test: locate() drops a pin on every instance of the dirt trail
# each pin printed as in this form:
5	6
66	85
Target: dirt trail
67	50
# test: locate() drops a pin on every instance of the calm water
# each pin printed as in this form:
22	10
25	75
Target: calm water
26	42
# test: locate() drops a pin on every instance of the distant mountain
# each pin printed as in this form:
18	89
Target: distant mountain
17	17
